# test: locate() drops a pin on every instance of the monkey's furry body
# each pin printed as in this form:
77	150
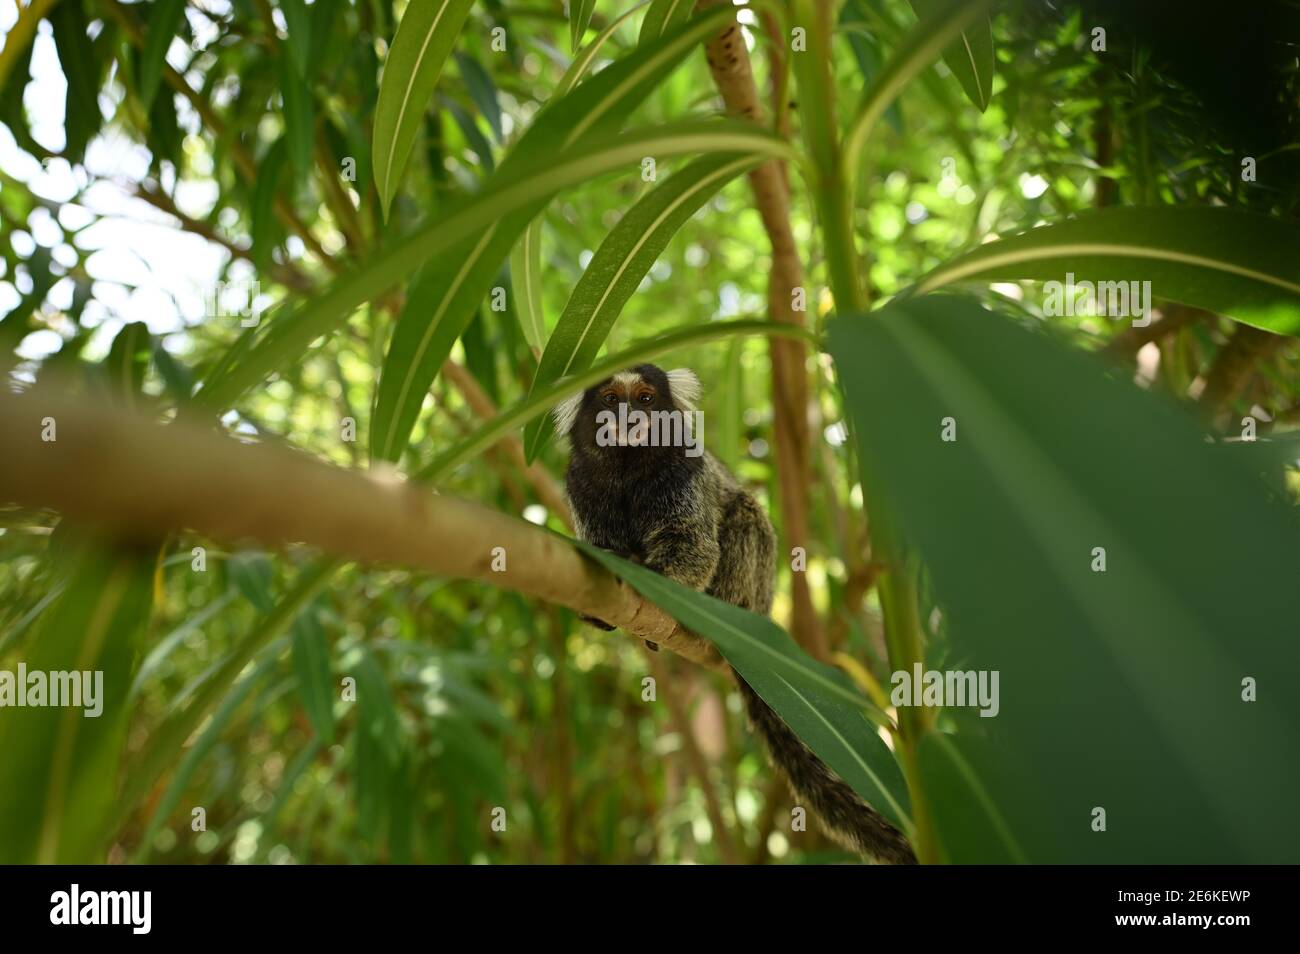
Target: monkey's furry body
689	519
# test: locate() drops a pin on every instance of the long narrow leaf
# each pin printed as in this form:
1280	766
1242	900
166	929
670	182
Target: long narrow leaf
819	703
1100	575
164	21
1235	263
420	48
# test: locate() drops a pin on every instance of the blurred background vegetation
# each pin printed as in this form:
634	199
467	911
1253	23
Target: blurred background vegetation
130	187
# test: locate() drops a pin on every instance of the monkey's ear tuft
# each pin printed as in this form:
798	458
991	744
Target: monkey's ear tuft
685	387
566	412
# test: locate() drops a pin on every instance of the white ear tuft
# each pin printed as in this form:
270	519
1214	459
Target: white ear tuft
566	412
685	387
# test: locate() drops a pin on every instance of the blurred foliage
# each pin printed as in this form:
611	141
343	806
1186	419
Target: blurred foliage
252	130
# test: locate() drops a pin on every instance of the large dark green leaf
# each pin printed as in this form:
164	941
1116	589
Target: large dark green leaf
1120	689
1235	263
819	703
971	829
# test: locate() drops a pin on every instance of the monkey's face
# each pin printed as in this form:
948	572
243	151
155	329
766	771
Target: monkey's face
639	409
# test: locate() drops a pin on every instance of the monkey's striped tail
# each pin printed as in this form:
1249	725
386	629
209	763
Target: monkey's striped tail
844	815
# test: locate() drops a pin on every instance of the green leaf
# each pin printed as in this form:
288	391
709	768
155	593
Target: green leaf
128	360
866	50
477	141
923	44
299	122
580	12
1123	688
819	703
311	664
297	20
1238	264
482	90
208	738
162	24
252	574
731	407
164	137
378	713
81	115
662	16
440	303
525	260
264	227
971	829
58	776
622	261
587	55
420	48
526	282
176	377
166	742
970	58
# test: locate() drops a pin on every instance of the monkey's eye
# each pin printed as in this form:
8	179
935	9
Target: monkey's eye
610	399
645	397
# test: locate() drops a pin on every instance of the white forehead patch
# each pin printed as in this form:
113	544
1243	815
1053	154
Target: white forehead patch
625	379
685	387
566	412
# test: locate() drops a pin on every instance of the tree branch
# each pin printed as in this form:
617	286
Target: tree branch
125	475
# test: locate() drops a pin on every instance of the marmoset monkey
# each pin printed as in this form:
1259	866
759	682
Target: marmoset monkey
680	512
